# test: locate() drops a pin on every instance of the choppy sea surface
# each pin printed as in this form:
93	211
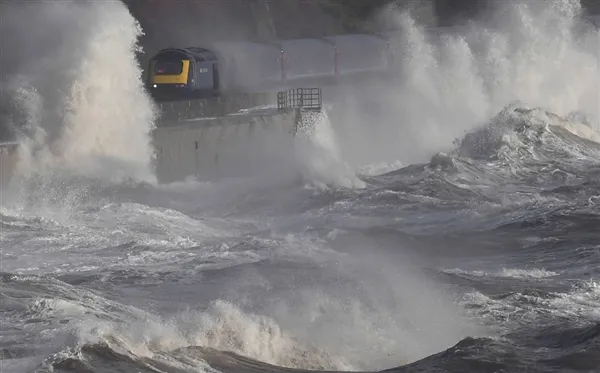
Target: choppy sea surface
484	259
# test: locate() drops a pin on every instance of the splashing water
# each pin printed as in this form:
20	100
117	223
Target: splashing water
73	75
539	53
321	158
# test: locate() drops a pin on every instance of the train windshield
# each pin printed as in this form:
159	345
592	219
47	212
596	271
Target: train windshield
168	67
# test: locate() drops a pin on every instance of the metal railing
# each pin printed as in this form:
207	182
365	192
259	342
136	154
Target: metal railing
309	99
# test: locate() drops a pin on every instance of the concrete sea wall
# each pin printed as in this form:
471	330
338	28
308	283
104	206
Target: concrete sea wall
207	149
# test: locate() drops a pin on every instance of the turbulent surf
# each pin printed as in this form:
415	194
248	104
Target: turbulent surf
447	225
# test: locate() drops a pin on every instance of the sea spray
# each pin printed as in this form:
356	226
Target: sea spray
451	81
74	75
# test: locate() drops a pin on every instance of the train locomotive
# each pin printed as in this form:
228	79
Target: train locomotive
183	73
253	67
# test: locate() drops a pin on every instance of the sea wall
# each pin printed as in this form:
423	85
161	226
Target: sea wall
208	149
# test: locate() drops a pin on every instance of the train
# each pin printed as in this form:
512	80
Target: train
254	67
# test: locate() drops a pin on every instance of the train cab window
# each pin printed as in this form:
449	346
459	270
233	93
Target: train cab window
168	67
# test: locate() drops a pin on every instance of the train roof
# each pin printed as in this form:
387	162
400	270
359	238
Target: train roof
199	54
594	18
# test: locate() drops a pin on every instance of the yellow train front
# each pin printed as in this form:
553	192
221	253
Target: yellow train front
183	73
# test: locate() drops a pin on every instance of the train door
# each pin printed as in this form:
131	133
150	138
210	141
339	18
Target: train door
216	83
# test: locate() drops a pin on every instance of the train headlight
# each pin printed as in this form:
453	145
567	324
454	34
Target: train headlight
155	86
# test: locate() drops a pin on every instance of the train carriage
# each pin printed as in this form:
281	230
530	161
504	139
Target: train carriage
251	67
360	53
308	59
248	66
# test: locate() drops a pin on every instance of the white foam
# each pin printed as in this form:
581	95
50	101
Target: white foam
534	273
579	304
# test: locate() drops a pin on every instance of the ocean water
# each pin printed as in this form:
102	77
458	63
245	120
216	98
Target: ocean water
449	224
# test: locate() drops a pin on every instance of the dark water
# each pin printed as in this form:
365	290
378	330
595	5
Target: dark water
482	260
